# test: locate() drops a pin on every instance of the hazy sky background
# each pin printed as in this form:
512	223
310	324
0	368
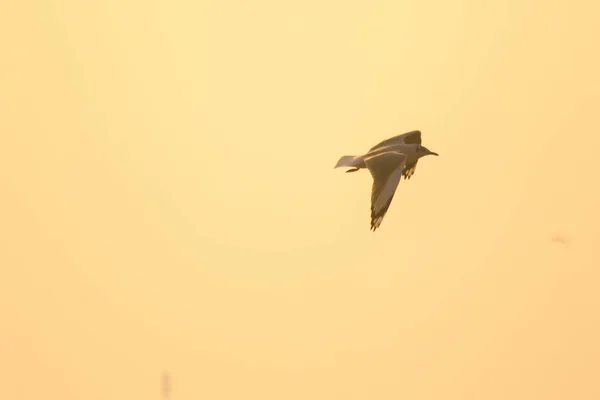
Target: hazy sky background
169	200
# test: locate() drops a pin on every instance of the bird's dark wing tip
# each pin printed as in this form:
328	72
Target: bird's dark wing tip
413	137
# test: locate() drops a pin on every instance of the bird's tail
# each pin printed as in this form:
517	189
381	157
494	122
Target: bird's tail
346	161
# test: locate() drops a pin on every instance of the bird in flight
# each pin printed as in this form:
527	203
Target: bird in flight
388	162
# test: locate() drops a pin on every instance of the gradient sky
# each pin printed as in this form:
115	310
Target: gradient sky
169	201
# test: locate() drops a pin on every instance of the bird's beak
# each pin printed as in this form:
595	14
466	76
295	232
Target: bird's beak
433	154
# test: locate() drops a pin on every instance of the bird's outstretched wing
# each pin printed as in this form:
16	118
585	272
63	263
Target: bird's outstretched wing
412	137
386	169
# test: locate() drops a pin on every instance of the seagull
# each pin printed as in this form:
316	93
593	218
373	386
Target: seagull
388	162
558	238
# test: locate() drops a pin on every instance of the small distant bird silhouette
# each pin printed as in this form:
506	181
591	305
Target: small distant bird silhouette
557	238
388	162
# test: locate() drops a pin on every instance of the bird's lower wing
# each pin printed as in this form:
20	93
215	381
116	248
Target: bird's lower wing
386	169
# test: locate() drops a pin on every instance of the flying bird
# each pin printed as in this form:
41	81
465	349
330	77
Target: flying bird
558	238
388	162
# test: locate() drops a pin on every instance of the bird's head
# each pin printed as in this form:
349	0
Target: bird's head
423	151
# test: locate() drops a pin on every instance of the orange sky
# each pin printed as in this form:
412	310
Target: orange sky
169	201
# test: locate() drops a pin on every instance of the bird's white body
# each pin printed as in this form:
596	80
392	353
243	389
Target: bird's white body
388	162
